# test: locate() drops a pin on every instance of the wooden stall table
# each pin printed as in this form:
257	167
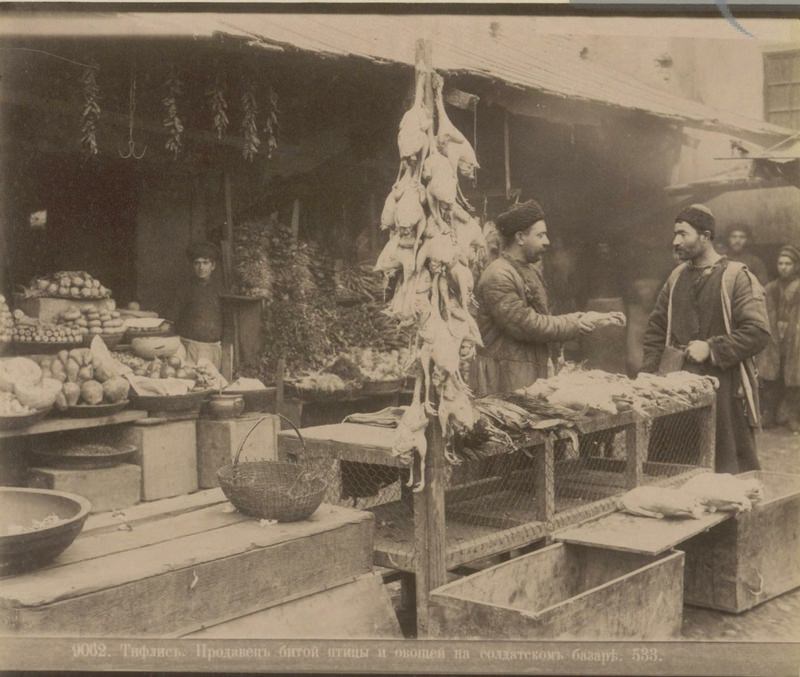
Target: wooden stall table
436	539
177	566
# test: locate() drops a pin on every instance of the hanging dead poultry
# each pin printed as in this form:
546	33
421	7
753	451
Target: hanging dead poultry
426	260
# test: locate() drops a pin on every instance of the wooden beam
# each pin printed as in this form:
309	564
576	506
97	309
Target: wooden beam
544	482
9	97
637	438
708	435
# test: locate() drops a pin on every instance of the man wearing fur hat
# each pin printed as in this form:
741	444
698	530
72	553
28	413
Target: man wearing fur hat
779	364
199	308
710	318
513	311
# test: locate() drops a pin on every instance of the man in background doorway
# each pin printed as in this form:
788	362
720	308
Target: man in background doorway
199	307
779	364
740	239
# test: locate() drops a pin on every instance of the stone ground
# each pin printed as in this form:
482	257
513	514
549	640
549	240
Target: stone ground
776	620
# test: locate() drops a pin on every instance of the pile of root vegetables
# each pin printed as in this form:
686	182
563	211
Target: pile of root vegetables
433	242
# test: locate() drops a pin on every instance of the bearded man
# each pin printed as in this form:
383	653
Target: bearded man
514	319
710	318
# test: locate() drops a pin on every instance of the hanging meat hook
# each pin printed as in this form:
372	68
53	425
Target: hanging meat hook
131	143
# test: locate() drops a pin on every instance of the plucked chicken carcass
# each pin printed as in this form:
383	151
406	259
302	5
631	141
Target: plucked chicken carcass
451	142
582	397
410	437
388	212
723	492
659	502
412	137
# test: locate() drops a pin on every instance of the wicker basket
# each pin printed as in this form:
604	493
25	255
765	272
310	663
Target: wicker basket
286	492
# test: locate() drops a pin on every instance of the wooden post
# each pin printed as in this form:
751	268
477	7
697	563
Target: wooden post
430	548
230	332
544	482
708	434
637	439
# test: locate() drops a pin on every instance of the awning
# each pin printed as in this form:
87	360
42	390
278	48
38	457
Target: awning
772	167
506	49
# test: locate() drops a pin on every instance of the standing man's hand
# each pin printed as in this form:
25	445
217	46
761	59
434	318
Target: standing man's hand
698	351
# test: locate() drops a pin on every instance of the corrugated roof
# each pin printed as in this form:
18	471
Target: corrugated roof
501	48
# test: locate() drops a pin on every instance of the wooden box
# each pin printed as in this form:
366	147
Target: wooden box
565	591
106	488
167	454
49	309
176	566
751	557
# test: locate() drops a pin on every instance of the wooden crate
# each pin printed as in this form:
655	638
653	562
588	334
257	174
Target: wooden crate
752	557
567	592
358	609
179	565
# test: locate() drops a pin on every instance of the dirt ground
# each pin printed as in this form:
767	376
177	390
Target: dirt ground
778	619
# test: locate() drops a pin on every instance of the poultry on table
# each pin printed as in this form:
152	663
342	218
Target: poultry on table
659	502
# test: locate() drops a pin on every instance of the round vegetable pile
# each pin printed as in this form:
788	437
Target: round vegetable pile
90	321
69	284
83	379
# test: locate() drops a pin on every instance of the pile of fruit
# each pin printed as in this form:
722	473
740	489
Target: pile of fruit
69	284
84	379
90	321
30	330
378	366
25	387
11	406
170	367
6	321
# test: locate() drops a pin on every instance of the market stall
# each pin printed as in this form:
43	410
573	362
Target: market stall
500	497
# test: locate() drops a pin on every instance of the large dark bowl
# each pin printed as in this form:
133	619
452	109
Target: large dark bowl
86	457
17	421
190	402
35	548
95	410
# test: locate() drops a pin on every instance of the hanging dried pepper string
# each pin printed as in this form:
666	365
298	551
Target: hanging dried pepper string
219	106
91	110
249	125
172	121
272	125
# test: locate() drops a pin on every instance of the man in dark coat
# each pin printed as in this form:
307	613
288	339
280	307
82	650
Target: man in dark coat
513	315
716	314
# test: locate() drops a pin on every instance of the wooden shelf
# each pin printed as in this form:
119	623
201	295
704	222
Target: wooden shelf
57	425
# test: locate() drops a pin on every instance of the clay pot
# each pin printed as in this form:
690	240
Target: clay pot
225	406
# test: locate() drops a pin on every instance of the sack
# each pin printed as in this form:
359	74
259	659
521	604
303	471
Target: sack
672	359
